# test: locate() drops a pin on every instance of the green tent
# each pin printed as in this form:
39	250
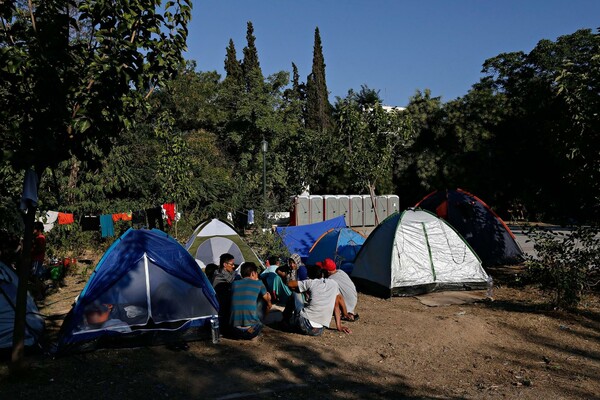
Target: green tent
214	237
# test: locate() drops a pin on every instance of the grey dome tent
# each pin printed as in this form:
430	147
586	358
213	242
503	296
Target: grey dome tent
34	322
416	252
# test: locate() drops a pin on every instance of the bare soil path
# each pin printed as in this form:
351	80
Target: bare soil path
512	347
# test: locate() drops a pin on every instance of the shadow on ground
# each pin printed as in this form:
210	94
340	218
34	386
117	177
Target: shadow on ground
229	370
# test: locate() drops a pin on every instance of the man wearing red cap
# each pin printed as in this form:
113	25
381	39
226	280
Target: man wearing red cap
347	288
312	318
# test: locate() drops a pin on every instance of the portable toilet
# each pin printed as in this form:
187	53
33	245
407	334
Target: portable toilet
381	205
393	204
301	210
331	206
344	207
356	210
316	209
368	211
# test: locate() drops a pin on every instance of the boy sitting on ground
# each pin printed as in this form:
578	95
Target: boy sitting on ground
275	282
247	302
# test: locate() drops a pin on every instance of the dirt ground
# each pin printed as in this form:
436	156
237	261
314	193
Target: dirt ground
513	347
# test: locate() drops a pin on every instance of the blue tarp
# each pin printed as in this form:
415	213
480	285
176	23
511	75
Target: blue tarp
300	239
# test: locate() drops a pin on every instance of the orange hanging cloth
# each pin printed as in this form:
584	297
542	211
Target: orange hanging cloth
121	217
65	218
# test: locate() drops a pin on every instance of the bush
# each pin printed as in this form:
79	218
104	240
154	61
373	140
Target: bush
566	265
266	244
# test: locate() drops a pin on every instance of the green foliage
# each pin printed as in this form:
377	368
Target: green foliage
567	265
10	193
369	137
266	244
551	97
76	71
174	165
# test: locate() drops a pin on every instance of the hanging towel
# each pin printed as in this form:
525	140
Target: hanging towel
138	219
65	218
90	223
30	190
155	218
122	217
107	225
169	210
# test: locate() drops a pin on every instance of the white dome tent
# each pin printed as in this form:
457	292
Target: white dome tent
416	252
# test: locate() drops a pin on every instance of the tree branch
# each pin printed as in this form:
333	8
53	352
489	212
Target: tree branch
31	15
149	93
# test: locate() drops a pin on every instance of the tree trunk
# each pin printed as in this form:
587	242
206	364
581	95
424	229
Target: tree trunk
23	269
73	177
372	193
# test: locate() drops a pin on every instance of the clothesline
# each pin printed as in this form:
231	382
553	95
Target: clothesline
151	218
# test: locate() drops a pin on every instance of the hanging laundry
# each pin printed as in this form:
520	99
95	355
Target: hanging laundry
48	220
169	211
107	225
90	223
138	219
30	190
155	218
250	217
65	218
122	217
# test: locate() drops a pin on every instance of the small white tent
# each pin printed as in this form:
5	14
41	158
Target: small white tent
416	252
215	237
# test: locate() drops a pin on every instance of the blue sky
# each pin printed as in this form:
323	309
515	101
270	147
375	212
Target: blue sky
395	46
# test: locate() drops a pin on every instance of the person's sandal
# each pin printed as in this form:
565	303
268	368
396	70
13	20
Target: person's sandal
353	317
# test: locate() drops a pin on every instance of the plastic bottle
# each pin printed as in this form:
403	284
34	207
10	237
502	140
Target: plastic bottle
216	334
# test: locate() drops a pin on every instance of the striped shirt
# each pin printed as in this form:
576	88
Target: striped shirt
246	293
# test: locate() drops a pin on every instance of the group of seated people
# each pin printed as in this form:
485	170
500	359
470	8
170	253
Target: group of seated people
310	295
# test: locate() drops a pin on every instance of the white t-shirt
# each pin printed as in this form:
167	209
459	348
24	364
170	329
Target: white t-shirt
322	299
347	289
270	268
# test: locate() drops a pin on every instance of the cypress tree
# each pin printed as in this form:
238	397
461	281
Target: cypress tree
318	108
233	68
297	87
250	65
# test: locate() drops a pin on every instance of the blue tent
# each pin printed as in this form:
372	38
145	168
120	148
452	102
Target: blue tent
339	244
300	239
34	322
151	290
